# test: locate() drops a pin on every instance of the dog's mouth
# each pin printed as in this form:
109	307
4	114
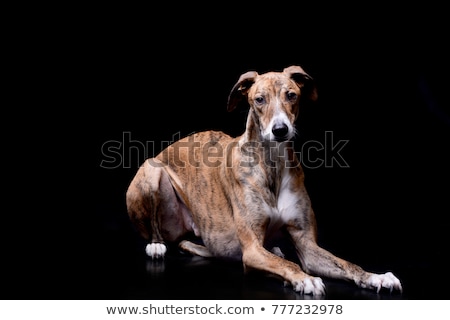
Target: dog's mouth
282	139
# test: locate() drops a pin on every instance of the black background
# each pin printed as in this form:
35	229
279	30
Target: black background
382	79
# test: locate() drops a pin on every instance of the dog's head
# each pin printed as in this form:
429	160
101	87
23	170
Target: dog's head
274	99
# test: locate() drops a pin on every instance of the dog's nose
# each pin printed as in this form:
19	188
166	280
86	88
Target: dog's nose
280	130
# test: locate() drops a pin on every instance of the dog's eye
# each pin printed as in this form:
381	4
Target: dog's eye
259	100
292	96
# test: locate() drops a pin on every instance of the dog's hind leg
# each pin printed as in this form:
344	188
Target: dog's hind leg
195	249
154	208
142	205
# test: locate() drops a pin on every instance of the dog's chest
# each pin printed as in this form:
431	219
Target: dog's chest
285	206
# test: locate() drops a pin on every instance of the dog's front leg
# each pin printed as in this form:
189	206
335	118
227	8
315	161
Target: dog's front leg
318	261
255	256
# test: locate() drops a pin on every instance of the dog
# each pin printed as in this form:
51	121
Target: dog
234	193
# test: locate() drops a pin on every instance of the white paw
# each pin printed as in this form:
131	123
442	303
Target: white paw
387	280
311	285
156	250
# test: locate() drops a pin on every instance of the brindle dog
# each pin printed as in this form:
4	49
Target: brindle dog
234	193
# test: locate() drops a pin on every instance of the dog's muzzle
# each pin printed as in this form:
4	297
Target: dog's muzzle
280	132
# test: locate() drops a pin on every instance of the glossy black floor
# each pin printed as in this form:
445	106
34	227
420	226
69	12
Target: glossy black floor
115	267
112	265
182	276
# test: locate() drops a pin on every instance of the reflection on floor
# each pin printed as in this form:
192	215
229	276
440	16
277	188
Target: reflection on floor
180	276
116	268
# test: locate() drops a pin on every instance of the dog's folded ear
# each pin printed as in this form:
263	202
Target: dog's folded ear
240	89
303	80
